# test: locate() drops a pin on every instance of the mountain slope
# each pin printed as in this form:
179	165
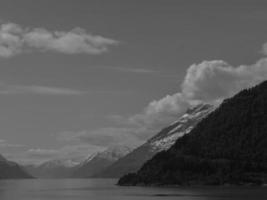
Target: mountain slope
162	141
96	163
229	146
11	170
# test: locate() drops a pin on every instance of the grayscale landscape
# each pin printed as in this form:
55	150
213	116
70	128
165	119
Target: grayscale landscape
133	100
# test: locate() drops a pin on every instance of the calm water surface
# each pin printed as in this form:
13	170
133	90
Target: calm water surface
105	189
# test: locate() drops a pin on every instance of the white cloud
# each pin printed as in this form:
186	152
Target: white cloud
42	152
14	39
37	89
11	41
159	112
215	80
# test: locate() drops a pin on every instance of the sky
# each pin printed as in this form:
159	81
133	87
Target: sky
79	76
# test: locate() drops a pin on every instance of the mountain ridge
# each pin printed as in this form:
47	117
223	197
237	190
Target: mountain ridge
161	141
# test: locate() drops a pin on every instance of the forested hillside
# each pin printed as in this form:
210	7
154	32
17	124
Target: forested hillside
227	147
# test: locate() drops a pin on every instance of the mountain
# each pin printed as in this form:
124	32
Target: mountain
11	170
52	169
65	168
2	158
229	146
161	141
98	162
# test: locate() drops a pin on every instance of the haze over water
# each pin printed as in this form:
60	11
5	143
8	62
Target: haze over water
105	189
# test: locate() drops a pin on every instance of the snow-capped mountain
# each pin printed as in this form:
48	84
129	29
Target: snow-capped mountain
112	153
58	163
161	141
98	162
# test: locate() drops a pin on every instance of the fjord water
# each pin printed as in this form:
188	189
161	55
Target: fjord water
105	189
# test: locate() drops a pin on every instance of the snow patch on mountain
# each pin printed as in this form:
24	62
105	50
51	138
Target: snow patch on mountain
58	163
165	139
112	153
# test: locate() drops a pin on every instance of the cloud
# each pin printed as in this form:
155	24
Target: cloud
42	153
36	89
6	144
140	71
215	80
170	106
15	39
13	89
32	156
131	70
103	137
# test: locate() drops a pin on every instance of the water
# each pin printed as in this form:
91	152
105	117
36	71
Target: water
105	189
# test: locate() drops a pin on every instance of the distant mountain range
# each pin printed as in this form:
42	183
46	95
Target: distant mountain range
52	169
161	141
68	169
229	146
11	170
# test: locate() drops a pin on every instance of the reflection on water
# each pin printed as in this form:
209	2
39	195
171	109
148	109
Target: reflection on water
105	189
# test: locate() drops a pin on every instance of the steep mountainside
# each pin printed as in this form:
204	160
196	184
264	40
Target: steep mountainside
162	141
229	146
11	170
96	163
